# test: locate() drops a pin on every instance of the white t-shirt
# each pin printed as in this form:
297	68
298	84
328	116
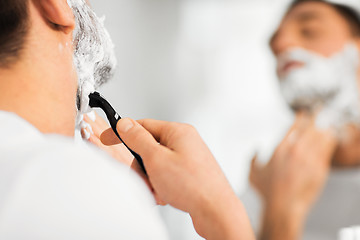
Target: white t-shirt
338	206
52	188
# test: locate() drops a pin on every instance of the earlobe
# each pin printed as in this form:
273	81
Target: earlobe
59	13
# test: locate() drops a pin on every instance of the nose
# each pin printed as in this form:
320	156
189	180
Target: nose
283	41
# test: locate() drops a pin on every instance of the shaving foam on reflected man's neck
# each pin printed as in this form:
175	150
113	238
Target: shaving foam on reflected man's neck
329	84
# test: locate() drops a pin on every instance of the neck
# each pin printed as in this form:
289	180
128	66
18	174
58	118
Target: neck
26	91
41	86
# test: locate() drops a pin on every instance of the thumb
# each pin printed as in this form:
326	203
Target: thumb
137	138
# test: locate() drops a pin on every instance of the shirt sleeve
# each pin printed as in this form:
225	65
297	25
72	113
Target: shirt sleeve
63	192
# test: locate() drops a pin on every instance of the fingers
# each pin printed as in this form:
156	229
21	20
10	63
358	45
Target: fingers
97	123
306	143
163	132
302	121
173	135
321	143
254	171
157	128
255	165
108	138
138	138
285	148
86	132
92	127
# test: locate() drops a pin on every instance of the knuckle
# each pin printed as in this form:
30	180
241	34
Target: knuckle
191	128
188	128
184	130
153	152
137	134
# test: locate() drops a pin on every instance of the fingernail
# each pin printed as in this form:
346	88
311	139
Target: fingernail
124	125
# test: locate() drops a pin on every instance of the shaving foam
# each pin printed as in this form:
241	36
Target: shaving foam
328	84
87	129
92	116
94	56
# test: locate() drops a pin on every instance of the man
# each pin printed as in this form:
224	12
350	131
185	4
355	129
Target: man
51	188
317	47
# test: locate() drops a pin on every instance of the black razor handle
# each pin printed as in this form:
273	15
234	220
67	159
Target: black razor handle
96	100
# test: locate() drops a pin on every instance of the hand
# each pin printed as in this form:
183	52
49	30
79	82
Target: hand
294	177
185	174
91	131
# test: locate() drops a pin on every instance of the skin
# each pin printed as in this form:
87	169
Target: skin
44	63
117	151
175	155
180	159
292	180
41	88
295	176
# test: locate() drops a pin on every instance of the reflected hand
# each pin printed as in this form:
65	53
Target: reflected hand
292	180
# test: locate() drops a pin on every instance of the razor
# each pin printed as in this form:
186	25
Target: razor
97	101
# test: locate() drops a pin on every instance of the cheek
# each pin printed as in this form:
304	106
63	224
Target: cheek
329	44
64	59
70	68
328	48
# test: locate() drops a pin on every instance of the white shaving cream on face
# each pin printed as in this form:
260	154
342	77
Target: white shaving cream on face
94	56
328	84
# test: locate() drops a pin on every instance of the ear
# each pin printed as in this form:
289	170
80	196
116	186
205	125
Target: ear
59	13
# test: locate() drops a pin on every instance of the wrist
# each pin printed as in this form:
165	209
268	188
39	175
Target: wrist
222	217
285	221
287	208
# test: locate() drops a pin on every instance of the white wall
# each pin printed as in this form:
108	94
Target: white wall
205	62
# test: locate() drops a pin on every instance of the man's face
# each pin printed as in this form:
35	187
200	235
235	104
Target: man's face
314	26
327	74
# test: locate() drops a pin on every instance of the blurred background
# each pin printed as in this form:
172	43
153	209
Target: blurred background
203	62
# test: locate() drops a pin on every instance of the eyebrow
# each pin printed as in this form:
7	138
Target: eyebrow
304	17
308	16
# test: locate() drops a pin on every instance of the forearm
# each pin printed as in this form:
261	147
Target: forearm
223	219
282	223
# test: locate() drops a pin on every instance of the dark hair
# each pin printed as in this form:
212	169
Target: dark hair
350	15
13	29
